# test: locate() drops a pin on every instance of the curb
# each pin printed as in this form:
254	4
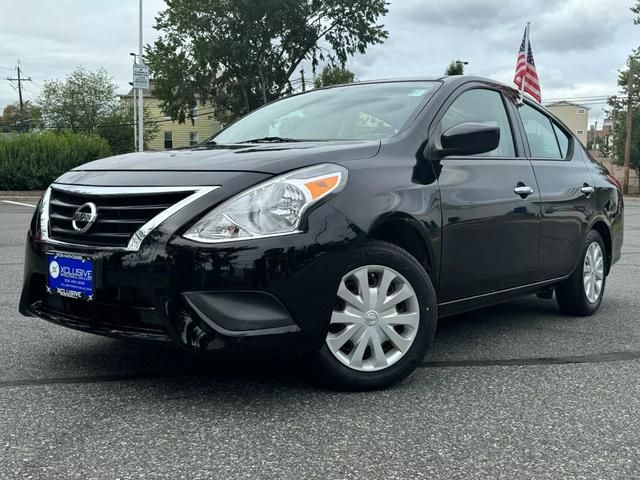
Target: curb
21	194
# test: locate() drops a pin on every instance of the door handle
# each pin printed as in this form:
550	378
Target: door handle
587	190
523	190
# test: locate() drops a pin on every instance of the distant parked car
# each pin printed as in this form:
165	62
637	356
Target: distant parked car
344	222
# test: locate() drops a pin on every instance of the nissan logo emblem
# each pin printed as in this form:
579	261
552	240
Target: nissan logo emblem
84	217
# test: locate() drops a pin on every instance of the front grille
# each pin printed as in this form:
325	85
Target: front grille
118	216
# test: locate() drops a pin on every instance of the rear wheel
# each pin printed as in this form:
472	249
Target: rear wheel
581	294
383	320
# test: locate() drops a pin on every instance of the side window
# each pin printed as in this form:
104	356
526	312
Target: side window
563	140
540	133
482	106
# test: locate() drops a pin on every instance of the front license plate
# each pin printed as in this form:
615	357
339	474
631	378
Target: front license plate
70	276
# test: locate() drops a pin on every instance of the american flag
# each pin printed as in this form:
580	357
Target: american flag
526	75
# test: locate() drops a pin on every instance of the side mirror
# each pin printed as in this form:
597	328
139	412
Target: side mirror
469	139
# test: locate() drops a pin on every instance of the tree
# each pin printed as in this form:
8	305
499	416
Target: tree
334	75
79	103
456	67
636	9
619	107
11	119
117	129
241	54
86	102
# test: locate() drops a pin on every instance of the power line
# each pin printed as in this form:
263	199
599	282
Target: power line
585	98
20	80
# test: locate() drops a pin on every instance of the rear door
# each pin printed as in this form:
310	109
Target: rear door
490	232
566	190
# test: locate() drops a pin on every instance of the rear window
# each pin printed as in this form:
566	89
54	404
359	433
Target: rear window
563	140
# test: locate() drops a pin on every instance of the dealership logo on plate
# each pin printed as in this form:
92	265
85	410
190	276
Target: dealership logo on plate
54	269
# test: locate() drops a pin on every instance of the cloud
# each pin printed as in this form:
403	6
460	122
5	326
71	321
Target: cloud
580	26
468	14
578	44
55	37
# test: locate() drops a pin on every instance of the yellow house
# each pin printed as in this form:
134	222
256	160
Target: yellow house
173	134
575	116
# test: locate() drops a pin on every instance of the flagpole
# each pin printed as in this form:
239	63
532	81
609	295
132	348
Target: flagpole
526	58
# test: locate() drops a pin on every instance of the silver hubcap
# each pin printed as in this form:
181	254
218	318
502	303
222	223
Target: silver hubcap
593	272
375	320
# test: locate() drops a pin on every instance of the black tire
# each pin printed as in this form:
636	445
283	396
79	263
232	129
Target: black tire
570	294
334	374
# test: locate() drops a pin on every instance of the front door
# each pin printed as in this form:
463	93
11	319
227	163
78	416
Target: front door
490	205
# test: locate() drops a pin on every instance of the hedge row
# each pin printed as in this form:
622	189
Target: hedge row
32	161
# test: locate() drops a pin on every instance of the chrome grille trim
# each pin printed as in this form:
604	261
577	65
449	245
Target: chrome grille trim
138	236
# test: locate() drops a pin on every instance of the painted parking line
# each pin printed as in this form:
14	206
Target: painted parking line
18	203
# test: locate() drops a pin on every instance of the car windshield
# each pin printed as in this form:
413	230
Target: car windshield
355	112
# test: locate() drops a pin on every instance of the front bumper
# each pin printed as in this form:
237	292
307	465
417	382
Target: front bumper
273	293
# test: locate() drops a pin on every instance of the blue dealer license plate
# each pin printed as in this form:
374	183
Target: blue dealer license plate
70	276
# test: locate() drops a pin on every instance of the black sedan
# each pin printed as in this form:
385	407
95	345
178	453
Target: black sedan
342	222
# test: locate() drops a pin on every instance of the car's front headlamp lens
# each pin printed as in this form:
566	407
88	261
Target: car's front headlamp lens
275	207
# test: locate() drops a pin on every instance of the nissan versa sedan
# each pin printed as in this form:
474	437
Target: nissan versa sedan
342	222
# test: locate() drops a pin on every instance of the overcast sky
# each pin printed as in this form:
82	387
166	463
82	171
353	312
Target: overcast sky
578	44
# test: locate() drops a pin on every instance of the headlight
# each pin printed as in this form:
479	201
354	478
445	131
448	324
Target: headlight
275	207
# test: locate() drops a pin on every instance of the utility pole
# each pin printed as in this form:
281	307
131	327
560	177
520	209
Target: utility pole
19	80
140	91
304	86
627	145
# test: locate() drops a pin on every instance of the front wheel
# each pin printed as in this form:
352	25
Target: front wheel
382	323
581	294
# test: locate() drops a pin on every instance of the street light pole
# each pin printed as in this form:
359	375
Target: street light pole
140	91
135	109
461	64
135	120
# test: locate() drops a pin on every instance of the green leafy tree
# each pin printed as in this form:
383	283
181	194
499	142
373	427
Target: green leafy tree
635	8
80	102
11	119
334	75
456	67
241	54
619	108
117	129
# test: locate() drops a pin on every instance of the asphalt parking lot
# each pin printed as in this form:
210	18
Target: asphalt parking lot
516	391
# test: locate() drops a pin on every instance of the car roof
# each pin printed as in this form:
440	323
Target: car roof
452	81
447	79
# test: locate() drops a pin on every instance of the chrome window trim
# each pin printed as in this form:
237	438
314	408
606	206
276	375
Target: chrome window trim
138	237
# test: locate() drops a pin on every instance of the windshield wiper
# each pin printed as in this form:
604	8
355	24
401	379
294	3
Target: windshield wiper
273	140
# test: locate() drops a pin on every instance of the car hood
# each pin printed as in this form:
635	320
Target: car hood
272	158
